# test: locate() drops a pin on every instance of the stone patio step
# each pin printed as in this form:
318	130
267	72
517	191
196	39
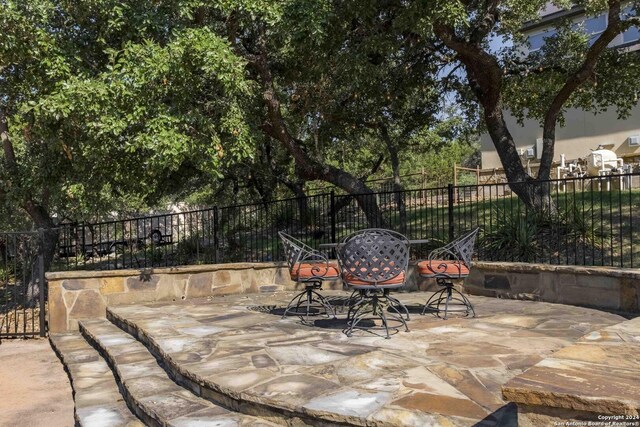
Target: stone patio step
155	397
98	402
596	376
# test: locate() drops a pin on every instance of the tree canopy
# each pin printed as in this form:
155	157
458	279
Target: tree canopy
105	101
573	69
109	105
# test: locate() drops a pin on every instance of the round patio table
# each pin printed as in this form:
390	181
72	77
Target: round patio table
411	242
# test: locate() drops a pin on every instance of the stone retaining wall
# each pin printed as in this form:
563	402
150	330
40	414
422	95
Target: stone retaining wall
604	288
78	295
75	295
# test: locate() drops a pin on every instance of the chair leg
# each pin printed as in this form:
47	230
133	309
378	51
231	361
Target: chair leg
399	316
298	297
374	306
325	303
383	317
355	306
435	297
446	303
309	301
307	298
361	305
463	300
349	300
396	302
356	318
466	302
447	295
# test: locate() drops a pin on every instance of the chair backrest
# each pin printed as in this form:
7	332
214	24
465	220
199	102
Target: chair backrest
297	252
459	250
374	255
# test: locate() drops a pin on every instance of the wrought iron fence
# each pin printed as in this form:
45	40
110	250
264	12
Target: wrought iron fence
582	221
241	233
590	221
22	285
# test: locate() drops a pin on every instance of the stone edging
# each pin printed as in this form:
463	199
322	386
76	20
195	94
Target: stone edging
107	384
93	274
604	288
141	412
524	267
631	273
145	406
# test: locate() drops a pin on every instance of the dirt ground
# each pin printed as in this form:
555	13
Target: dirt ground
34	388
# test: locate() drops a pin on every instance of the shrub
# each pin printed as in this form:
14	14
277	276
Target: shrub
563	233
515	237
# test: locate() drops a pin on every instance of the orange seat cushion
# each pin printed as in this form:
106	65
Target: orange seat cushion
352	280
306	271
441	267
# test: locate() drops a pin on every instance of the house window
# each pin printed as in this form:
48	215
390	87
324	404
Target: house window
633	33
536	41
593	27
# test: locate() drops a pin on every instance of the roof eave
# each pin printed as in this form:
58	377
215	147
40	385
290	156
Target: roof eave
552	17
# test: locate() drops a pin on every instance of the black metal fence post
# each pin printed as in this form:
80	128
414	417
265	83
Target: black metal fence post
450	197
215	235
41	284
332	209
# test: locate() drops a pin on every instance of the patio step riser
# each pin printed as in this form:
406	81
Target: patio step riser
185	381
93	403
228	398
140	412
65	364
176	376
150	409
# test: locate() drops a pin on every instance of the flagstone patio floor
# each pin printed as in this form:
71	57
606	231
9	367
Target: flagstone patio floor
238	350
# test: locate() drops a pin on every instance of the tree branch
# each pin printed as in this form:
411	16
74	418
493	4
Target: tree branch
575	80
7	145
485	78
483	70
373	169
516	67
489	18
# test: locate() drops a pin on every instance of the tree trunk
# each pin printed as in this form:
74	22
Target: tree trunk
366	198
303	208
297	187
485	78
341	203
37	212
533	193
50	235
308	167
264	192
398	189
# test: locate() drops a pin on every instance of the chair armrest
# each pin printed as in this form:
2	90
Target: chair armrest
443	253
319	262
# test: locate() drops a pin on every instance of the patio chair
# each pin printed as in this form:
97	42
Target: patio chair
373	262
309	267
446	264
